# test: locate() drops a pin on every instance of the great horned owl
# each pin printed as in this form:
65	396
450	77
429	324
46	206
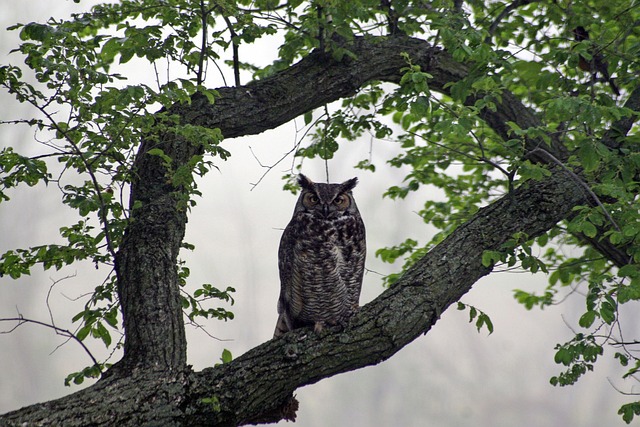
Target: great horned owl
321	258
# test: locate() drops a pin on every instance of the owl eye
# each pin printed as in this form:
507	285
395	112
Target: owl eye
342	201
311	199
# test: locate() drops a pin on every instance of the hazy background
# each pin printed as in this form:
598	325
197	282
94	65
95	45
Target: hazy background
453	376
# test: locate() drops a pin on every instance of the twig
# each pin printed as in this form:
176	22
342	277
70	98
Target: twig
234	49
64	332
204	13
203	329
327	123
626	393
55	282
296	145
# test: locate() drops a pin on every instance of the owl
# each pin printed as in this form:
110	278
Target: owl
321	258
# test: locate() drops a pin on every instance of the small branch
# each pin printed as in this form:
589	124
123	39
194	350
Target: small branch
296	145
623	126
64	332
392	17
626	393
102	214
55	282
203	329
269	167
234	47
625	343
204	13
481	159
327	123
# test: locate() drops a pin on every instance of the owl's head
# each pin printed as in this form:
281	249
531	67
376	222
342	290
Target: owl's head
328	201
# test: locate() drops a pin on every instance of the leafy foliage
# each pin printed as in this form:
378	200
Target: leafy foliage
481	318
92	120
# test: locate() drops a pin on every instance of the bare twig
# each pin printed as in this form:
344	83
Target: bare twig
63	332
203	329
296	145
55	282
626	393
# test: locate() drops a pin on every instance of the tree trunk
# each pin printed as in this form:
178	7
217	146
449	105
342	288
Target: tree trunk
152	384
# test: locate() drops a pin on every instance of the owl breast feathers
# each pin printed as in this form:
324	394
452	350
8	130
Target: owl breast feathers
321	258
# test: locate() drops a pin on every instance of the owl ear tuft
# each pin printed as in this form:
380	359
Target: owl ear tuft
305	182
348	185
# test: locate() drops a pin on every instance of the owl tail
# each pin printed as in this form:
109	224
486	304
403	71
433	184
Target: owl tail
281	326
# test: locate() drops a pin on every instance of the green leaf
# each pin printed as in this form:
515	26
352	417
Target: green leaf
587	319
624	360
212	401
308	117
589	157
484	320
589	229
83	332
629	410
36	31
226	356
473	313
607	312
158	152
563	356
489	258
102	333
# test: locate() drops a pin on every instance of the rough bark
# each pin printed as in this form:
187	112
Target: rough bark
143	398
146	264
153	386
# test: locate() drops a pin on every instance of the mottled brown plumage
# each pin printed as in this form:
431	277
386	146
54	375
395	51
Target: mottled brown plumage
321	258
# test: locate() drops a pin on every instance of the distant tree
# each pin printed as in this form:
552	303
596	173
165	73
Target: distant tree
522	112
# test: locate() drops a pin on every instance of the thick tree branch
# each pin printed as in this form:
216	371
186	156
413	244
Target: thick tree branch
319	79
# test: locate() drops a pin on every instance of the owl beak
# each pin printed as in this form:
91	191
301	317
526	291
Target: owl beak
325	210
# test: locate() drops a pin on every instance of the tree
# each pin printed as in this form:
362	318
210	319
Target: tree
500	105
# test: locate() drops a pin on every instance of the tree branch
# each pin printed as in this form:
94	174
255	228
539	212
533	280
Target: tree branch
63	332
318	79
